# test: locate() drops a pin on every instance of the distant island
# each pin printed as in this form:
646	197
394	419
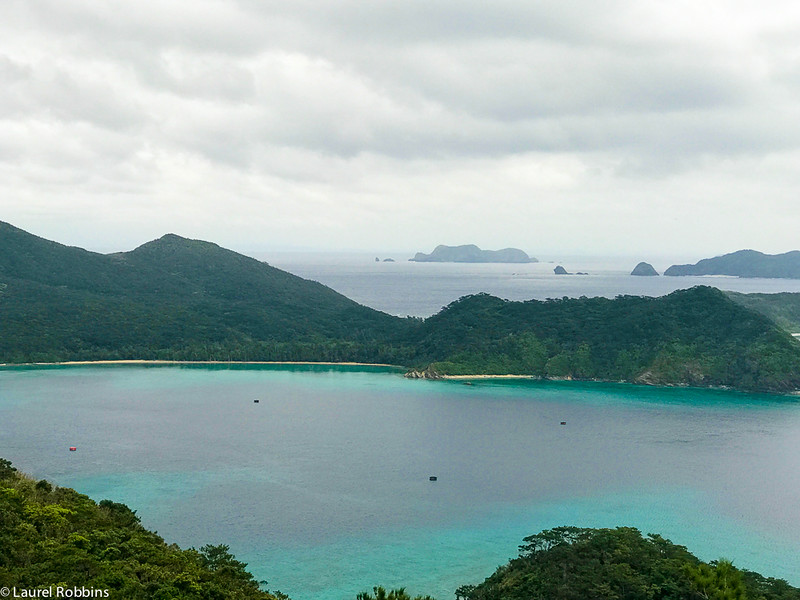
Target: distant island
176	299
744	263
644	269
559	270
470	253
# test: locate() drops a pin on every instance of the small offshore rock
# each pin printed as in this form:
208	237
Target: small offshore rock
644	269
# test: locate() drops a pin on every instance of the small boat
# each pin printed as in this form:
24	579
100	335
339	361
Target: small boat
433	478
73	448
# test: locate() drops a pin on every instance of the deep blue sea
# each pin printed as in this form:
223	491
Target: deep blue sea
323	486
422	289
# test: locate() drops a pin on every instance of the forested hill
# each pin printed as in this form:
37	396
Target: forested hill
744	263
697	336
173	298
180	299
572	563
52	536
783	308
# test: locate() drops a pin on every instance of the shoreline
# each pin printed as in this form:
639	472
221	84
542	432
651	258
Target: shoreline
458	377
141	361
145	362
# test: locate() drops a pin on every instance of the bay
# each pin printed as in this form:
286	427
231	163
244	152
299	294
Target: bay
323	485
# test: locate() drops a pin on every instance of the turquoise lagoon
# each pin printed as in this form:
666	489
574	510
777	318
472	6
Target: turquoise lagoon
323	488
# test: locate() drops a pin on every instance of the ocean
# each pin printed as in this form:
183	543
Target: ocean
421	289
323	487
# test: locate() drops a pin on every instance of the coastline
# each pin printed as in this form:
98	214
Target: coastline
408	374
459	377
139	361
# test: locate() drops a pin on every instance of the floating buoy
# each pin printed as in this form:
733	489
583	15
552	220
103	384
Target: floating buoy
433	478
563	422
73	448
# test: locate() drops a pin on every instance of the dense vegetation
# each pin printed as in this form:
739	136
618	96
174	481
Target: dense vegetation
697	336
744	263
782	308
179	299
53	536
175	299
570	563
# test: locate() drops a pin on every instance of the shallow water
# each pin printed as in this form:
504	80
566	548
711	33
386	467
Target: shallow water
323	486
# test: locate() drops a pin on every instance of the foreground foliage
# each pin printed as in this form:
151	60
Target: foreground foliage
380	593
572	563
51	536
56	536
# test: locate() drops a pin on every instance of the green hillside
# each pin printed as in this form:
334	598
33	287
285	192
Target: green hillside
783	308
53	536
571	563
174	298
180	299
744	263
697	336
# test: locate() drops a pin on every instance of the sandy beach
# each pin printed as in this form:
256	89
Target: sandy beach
193	362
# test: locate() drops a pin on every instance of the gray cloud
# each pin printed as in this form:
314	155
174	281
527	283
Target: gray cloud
367	112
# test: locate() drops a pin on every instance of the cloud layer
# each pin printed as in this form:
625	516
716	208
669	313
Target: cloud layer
617	127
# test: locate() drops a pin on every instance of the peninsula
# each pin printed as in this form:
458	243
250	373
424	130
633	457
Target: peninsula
744	263
470	253
176	299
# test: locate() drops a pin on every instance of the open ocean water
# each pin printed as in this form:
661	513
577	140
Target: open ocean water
422	289
323	486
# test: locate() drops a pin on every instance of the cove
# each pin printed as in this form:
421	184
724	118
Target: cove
323	486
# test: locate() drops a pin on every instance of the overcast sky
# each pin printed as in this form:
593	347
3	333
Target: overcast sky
618	127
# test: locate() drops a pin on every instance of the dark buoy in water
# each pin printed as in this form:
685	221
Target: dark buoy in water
73	448
255	401
433	478
563	422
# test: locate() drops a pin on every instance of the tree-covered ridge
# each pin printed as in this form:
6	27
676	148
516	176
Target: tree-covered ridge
53	536
783	308
571	563
697	336
744	263
189	300
175	299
